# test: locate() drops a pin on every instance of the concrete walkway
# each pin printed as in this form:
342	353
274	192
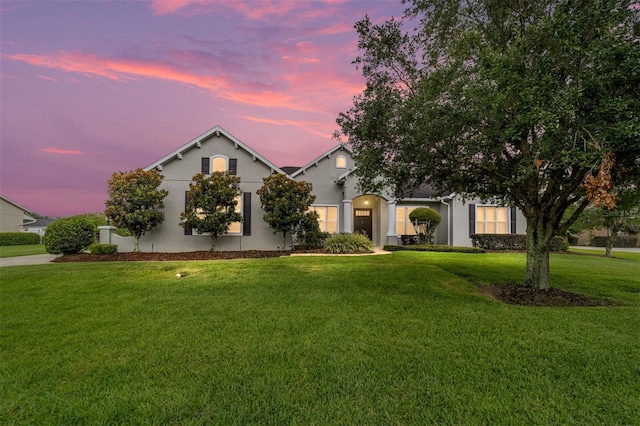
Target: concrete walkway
36	259
613	250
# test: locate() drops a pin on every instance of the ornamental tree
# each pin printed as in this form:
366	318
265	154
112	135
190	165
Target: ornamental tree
211	204
425	221
286	203
515	102
135	201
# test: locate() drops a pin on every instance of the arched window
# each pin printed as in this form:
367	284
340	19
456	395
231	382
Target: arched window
219	164
341	162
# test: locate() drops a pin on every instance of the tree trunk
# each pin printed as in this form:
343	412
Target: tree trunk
136	244
214	239
539	235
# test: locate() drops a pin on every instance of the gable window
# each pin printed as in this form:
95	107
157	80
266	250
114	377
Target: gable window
219	163
492	220
327	218
403	224
341	162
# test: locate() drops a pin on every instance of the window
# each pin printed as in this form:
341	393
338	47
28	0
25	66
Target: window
403	224
236	227
219	163
341	162
327	218
492	220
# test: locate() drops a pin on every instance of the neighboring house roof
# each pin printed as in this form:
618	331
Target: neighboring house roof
339	147
41	223
27	219
14	203
216	131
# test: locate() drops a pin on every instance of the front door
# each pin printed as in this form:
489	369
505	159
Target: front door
363	222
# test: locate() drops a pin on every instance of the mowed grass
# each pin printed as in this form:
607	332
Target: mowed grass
13	251
614	253
405	338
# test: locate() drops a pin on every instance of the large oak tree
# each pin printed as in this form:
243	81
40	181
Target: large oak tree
533	103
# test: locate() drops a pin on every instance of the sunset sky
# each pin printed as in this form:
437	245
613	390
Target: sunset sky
92	87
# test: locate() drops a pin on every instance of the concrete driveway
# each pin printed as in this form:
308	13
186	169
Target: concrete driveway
36	259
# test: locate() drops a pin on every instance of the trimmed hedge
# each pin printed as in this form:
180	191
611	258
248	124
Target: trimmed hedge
19	239
348	243
436	248
103	248
512	242
69	235
621	242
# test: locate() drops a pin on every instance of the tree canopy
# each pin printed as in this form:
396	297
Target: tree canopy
135	201
533	104
285	203
211	204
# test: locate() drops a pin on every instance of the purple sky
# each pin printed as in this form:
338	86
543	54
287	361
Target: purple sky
92	87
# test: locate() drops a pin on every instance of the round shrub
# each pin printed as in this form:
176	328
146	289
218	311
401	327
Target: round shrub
425	221
425	214
103	249
69	235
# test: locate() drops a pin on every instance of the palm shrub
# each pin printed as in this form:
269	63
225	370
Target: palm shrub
348	243
69	235
425	221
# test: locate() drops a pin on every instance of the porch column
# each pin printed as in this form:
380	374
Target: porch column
346	216
392	238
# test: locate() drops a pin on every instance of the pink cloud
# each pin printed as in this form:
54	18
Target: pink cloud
51	150
256	10
45	77
227	87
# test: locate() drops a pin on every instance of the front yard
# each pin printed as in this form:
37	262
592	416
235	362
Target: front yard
406	338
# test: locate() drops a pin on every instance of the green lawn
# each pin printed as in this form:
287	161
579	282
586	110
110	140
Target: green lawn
404	338
12	251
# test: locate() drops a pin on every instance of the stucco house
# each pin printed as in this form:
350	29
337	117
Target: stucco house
13	217
339	204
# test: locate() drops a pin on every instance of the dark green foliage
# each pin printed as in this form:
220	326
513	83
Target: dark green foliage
285	203
103	248
135	201
69	235
517	102
18	238
512	242
348	243
309	234
434	248
212	202
425	221
619	242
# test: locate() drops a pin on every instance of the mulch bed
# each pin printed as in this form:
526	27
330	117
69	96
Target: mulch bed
515	294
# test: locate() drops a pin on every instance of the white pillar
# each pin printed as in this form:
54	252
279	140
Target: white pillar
346	216
391	215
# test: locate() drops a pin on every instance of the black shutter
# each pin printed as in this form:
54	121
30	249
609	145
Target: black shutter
472	219
513	220
246	213
233	166
187	231
205	165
